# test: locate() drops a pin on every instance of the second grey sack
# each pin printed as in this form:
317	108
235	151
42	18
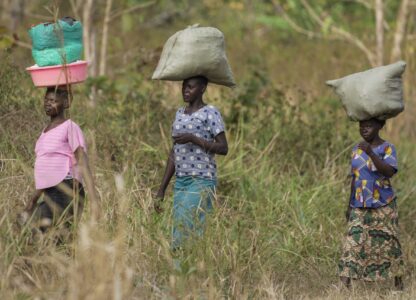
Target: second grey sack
375	93
195	51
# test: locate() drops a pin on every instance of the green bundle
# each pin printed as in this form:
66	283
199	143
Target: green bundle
56	43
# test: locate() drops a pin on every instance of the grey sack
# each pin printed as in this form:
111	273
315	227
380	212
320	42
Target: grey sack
375	93
195	51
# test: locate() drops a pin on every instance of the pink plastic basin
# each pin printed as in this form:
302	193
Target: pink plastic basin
59	75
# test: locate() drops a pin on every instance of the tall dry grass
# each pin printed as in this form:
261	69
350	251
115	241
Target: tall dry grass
278	220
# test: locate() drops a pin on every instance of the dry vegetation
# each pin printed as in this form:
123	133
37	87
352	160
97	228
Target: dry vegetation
283	188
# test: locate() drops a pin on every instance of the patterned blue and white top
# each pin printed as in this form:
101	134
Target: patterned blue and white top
190	159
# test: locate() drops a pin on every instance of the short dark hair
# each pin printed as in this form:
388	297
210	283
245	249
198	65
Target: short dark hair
380	122
57	91
201	79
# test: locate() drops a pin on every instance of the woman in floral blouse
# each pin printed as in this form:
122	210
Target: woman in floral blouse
371	249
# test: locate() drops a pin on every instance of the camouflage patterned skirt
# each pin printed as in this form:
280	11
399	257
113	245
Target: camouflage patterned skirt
371	249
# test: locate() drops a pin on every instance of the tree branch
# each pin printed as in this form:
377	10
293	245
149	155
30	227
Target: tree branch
366	4
280	10
336	33
15	41
74	7
131	9
379	10
399	34
104	38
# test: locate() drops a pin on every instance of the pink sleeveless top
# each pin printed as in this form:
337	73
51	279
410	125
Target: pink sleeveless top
55	157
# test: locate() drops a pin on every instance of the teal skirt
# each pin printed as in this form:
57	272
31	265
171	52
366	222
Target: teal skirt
192	200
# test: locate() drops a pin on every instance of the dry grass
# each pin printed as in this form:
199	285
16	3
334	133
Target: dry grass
278	220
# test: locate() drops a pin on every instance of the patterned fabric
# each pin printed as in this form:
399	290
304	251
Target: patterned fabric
55	157
371	188
190	159
193	198
371	249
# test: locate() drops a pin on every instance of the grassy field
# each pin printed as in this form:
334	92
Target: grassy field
279	216
283	187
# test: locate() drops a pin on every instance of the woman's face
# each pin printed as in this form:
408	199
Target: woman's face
53	104
192	89
369	130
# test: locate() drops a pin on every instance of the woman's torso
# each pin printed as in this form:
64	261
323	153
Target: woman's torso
55	157
190	159
371	188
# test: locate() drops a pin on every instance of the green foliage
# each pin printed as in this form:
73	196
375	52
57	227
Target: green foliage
5	40
273	21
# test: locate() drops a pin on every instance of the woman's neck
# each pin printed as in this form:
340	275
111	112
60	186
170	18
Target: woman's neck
195	105
58	118
376	141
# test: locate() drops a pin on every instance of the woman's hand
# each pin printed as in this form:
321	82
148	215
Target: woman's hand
29	207
366	147
184	138
381	166
218	146
348	213
157	201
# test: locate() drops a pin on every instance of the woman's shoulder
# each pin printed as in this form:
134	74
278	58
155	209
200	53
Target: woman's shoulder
70	122
388	147
180	110
388	144
73	125
212	109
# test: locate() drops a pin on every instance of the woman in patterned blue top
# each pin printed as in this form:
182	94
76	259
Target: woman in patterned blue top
371	249
198	134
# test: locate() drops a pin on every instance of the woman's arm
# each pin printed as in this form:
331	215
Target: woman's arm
381	166
169	171
348	212
218	146
82	160
33	200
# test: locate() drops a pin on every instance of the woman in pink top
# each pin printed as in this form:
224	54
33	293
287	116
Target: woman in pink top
61	165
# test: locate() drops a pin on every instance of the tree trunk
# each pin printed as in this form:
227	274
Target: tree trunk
399	34
379	32
87	24
12	13
93	52
4	10
104	39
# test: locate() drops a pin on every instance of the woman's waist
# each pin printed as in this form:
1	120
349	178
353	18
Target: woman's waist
382	182
55	155
193	179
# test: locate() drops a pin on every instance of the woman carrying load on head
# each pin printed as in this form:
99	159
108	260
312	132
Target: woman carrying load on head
371	249
198	134
61	166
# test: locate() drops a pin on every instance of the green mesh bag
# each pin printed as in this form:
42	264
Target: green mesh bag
56	43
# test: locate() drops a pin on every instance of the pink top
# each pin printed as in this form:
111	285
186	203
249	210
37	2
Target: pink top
55	157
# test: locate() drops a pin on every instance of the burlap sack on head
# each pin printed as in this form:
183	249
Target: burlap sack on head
195	51
376	93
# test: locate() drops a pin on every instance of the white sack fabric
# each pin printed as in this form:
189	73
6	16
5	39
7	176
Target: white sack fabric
376	93
195	51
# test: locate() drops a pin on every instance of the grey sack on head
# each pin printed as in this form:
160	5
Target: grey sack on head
195	51
375	93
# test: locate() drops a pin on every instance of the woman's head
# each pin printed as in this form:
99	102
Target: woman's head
56	101
193	88
369	129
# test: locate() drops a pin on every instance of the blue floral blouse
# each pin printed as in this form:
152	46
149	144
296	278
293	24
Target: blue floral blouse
372	189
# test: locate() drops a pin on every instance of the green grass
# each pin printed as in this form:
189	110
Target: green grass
278	220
